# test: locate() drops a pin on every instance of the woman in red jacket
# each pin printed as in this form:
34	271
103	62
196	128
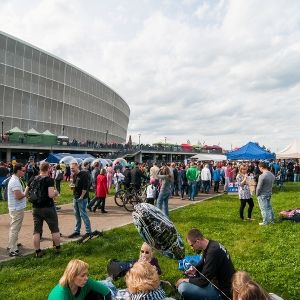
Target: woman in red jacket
101	191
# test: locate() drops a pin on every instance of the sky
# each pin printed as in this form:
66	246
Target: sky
210	72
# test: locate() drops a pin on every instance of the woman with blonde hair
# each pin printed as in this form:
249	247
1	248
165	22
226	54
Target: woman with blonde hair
75	284
244	288
146	254
143	282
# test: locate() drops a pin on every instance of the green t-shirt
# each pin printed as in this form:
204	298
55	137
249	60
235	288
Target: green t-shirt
64	293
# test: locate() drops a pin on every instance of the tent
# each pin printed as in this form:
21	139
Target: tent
291	151
48	138
209	157
33	137
250	151
54	158
16	135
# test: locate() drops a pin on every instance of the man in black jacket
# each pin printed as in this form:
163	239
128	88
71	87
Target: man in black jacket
211	278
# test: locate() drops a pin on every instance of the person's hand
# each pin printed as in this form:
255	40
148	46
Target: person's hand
191	271
179	281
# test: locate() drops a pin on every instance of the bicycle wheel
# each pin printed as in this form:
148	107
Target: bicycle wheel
120	197
130	201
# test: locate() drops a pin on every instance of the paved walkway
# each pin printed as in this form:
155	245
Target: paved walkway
116	217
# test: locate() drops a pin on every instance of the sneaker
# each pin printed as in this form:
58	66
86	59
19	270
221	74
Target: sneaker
57	208
14	253
86	237
262	224
39	254
250	219
104	211
74	235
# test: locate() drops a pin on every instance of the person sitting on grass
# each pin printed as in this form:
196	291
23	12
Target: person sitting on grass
75	284
244	288
146	254
143	282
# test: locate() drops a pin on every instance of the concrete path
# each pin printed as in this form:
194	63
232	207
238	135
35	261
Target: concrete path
116	217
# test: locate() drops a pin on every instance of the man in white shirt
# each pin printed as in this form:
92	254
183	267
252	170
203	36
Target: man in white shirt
206	178
16	206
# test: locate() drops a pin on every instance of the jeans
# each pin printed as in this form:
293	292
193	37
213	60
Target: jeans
264	202
191	291
80	212
296	177
192	189
16	217
163	201
206	185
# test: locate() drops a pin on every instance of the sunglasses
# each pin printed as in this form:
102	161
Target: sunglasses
146	252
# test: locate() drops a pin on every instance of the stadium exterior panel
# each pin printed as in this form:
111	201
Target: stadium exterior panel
41	91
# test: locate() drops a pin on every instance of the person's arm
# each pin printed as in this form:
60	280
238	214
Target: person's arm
19	195
209	269
52	192
96	286
85	185
259	185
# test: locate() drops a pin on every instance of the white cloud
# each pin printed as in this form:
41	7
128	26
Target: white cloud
219	71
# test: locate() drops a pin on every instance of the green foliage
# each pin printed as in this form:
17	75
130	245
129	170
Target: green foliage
271	254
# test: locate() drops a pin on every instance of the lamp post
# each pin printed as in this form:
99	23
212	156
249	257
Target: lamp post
165	141
106	133
139	140
2	131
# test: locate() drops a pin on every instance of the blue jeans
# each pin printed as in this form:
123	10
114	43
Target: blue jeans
191	291
264	202
296	177
80	212
206	185
163	202
192	189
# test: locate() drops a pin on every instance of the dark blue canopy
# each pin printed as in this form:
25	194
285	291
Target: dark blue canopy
250	151
54	158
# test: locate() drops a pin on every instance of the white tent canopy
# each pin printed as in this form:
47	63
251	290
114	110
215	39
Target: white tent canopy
291	151
207	157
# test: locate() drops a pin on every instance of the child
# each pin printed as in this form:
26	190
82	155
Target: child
146	254
151	192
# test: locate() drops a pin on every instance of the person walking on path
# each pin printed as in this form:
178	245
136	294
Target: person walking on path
264	193
206	178
16	206
101	191
44	210
165	189
243	182
192	174
80	187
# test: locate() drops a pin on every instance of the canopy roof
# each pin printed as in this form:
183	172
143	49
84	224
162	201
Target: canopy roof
32	131
209	157
250	151
16	130
56	157
47	132
291	151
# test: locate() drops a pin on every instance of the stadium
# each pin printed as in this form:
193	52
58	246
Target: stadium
44	92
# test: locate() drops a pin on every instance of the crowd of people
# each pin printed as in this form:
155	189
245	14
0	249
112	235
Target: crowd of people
213	278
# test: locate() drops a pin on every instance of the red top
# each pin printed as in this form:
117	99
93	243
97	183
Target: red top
101	187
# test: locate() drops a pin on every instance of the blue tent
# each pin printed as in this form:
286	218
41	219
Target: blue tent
54	158
250	151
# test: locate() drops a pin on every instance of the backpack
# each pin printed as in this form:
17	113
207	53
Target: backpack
60	176
4	185
117	269
35	191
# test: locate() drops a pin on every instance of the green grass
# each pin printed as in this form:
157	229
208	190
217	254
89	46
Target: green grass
271	254
66	197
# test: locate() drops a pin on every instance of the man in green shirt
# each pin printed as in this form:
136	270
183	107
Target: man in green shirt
192	174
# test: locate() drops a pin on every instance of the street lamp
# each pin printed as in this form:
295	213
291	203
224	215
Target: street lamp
139	140
165	141
106	133
2	137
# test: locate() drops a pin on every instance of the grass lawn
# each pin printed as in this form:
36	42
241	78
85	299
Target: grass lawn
66	197
271	254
